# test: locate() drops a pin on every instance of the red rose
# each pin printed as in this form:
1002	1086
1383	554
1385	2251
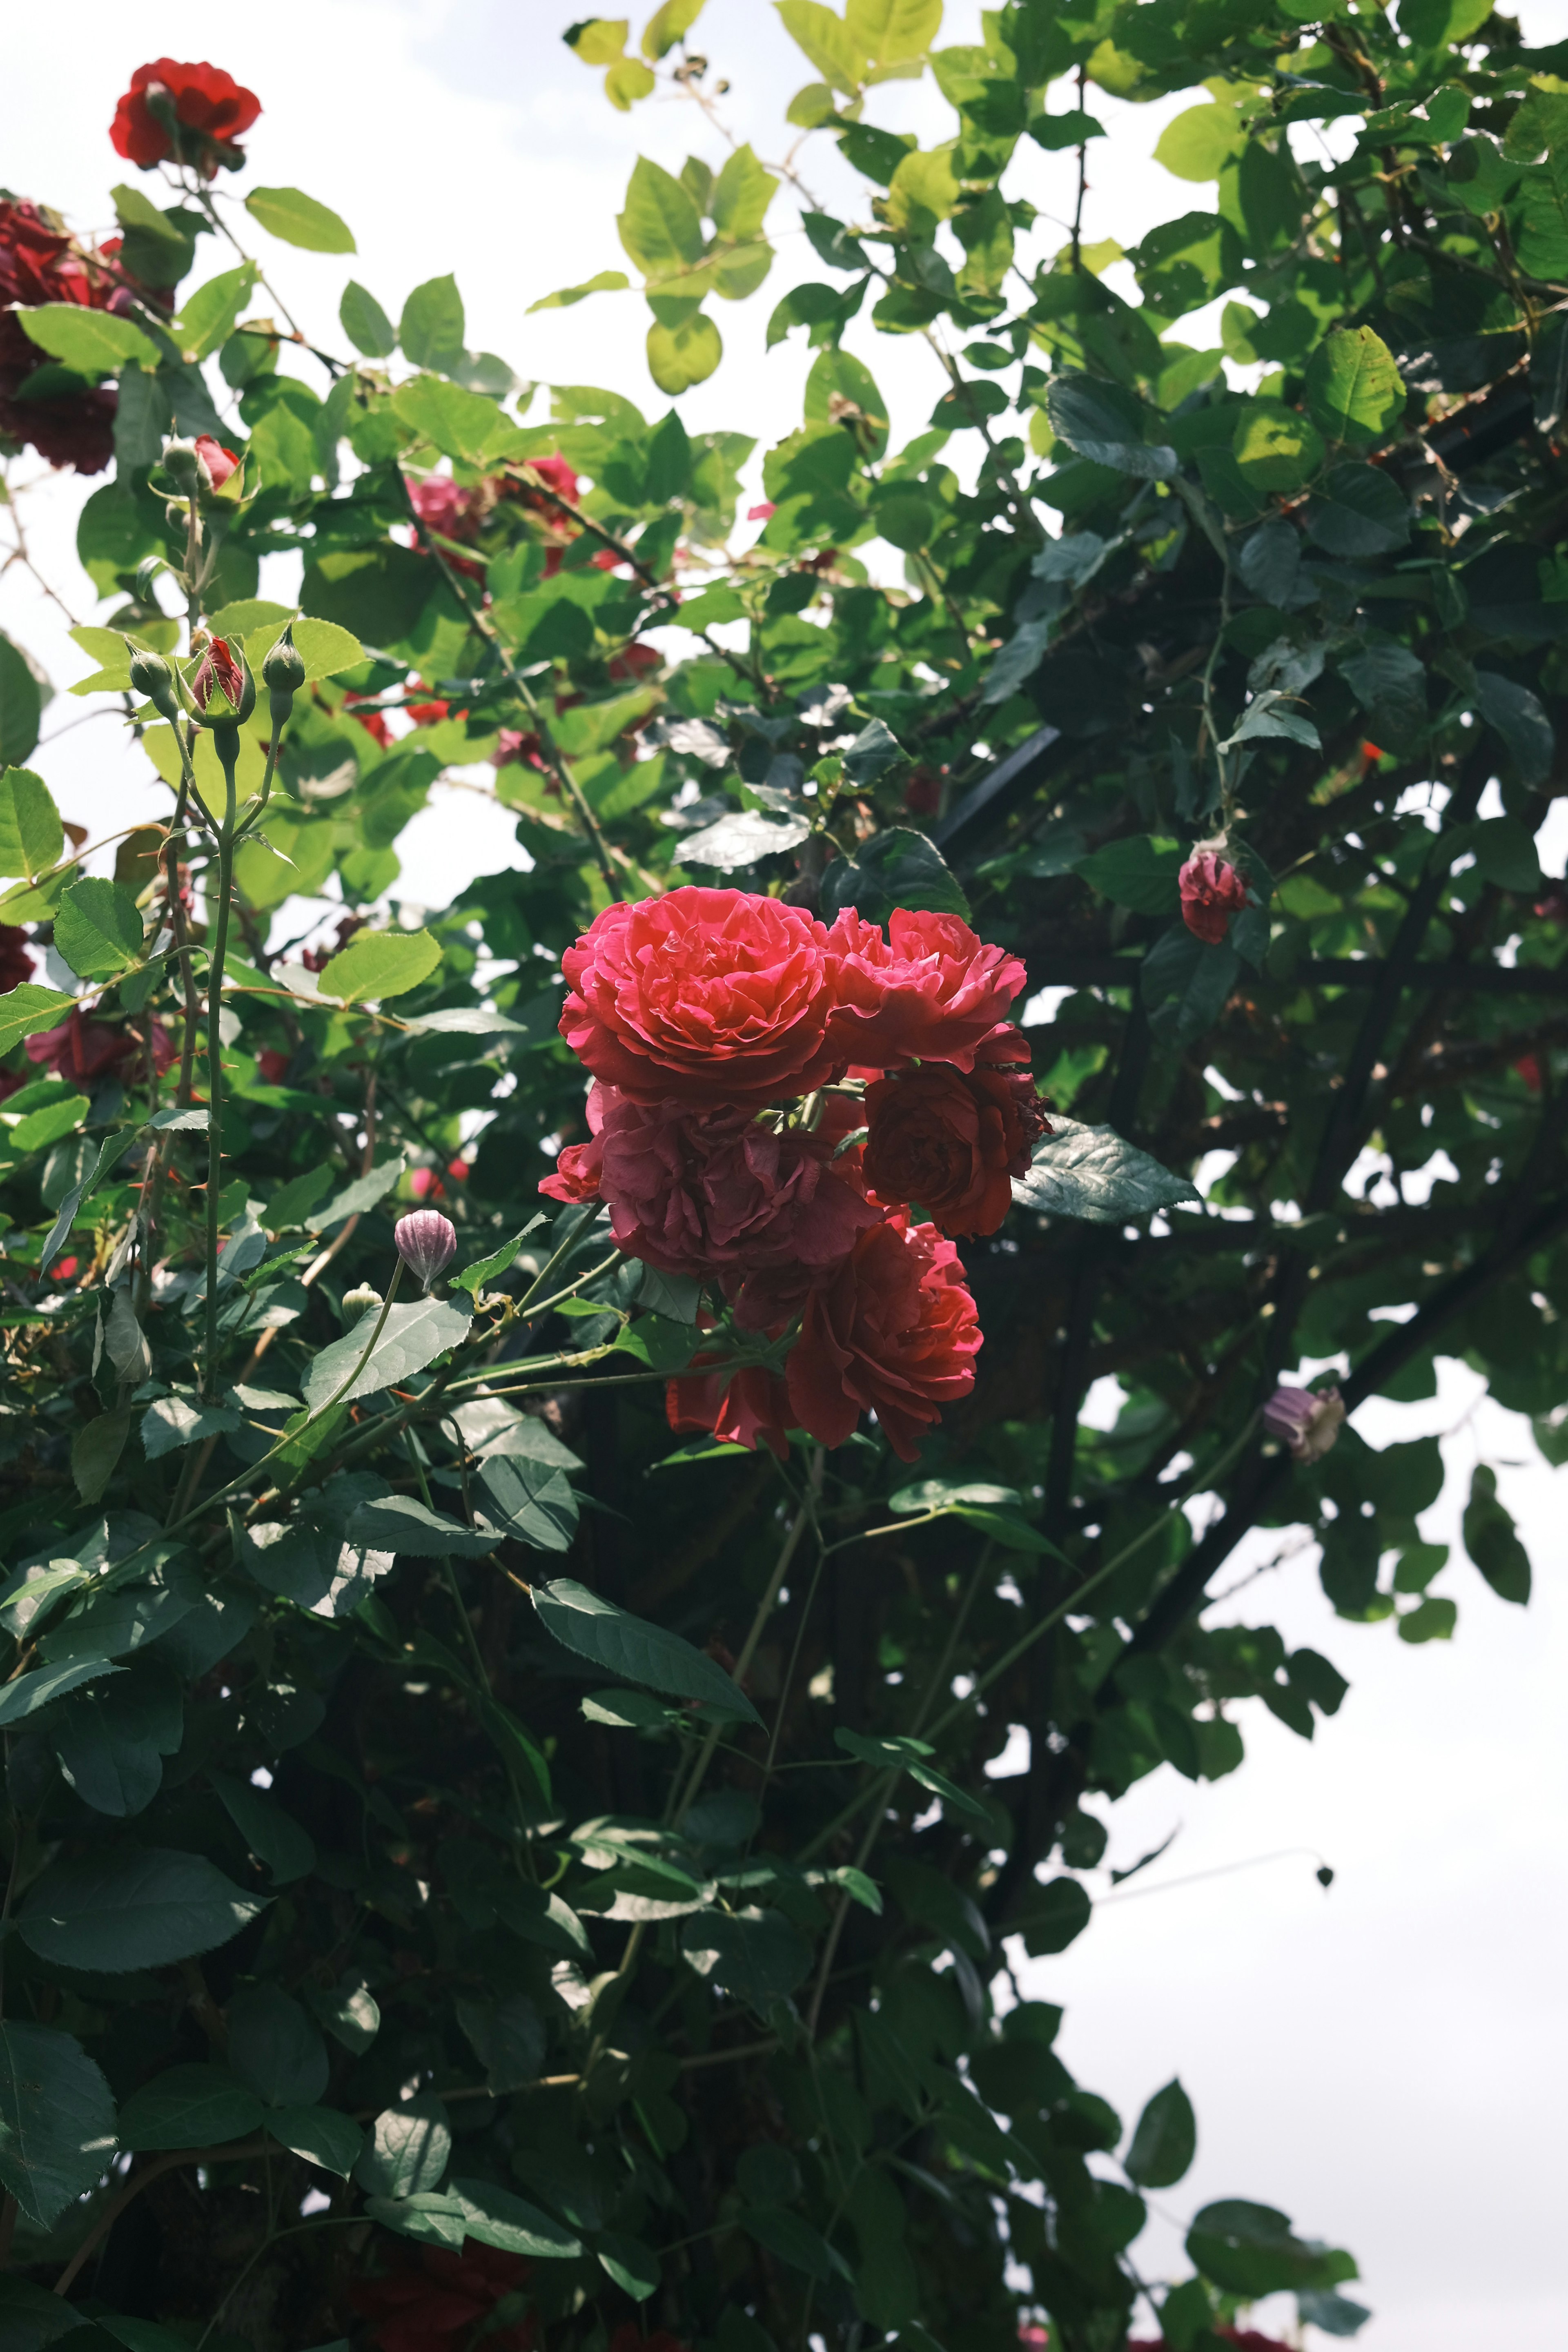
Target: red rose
955	1139
1211	892
633	661
217	672
893	1331
929	992
197	110
219	462
15	958
556	475
273	1064
513	745
83	1049
434	2299
739	1407
39	263
707	997
704	1193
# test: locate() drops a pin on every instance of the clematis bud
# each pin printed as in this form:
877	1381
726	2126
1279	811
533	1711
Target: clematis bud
1307	1419
150	676
283	673
220	463
1211	892
360	1302
427	1242
186	468
221	687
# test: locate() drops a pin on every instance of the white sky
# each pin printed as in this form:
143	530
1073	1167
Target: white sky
1389	2061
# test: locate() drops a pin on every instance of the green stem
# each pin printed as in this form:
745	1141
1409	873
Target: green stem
226	742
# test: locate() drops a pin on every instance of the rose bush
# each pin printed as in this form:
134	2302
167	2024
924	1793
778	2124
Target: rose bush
514	1819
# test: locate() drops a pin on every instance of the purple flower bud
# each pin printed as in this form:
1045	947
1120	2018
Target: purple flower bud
1307	1419
427	1241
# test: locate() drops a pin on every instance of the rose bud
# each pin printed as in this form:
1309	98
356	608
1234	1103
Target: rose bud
219	462
283	674
1211	892
222	688
186	468
150	676
359	1301
427	1242
1307	1419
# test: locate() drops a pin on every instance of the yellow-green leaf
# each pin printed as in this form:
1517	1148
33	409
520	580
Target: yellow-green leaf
93	343
1353	390
628	80
380	964
660	228
1276	447
1198	144
599	41
668	25
31	835
892	33
298	219
679	357
826	41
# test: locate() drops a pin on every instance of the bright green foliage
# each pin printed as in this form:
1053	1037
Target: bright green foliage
433	1780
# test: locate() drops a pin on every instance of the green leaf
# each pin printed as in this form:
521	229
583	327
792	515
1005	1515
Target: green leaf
826	41
378	964
298	219
893	35
679	357
189	2106
459	423
128	1907
408	2148
794	2240
24	1011
740	838
432	326
633	2266
1432	1620
401	1523
899	867
1108	424
51	1120
1274	448
98	928
319	2134
670	23
411	1338
909	1755
1141	873
474	1277
1092	1172
742	194
110	1742
92	343
1055	1917
1490	1541
27	1693
207	318
364	1193
1521	718
323	647
603	281
275	2049
660	228
31	835
172	1422
497	2218
1165	2141
1353	390
756	1955
365	323
592	1627
1358	511
1251	2250
1506	854
1199	144
274	1837
57	2120
21	704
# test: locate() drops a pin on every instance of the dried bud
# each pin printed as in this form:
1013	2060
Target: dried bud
427	1242
360	1302
186	469
284	673
221	687
150	676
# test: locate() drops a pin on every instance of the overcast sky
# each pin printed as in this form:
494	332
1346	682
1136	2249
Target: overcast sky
1387	2062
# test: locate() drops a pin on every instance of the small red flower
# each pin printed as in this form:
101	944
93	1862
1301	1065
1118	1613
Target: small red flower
219	462
434	2299
273	1064
763	514
198	110
371	717
513	745
84	1050
1529	1068
15	958
1211	892
633	661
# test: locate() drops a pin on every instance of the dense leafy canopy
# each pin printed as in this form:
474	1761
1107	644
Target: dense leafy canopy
451	1810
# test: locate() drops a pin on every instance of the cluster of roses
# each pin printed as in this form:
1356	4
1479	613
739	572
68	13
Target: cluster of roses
772	1098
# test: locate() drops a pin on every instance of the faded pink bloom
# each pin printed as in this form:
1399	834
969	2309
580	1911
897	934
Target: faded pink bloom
1211	892
1307	1419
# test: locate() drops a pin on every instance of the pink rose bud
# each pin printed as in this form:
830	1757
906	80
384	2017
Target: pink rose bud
1211	892
1307	1419
219	462
427	1242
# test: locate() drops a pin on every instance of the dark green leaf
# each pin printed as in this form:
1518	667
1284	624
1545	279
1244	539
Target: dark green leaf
319	2134
1092	1172
1251	2250
594	1627
408	2148
273	1836
1108	424
189	2106
412	1336
755	1955
130	1907
1165	2141
897	869
57	2120
496	2216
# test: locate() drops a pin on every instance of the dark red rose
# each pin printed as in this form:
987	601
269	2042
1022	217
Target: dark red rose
923	792
40	263
555	474
712	997
1211	892
513	745
633	661
434	2299
273	1064
82	1050
198	110
15	958
929	992
740	1407
955	1139
371	717
893	1331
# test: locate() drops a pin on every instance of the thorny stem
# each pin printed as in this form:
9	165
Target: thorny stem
227	741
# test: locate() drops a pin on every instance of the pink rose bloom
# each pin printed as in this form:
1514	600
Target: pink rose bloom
439	503
709	997
930	991
1211	892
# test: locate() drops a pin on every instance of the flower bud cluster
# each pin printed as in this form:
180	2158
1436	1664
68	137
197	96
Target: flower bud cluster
803	1117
